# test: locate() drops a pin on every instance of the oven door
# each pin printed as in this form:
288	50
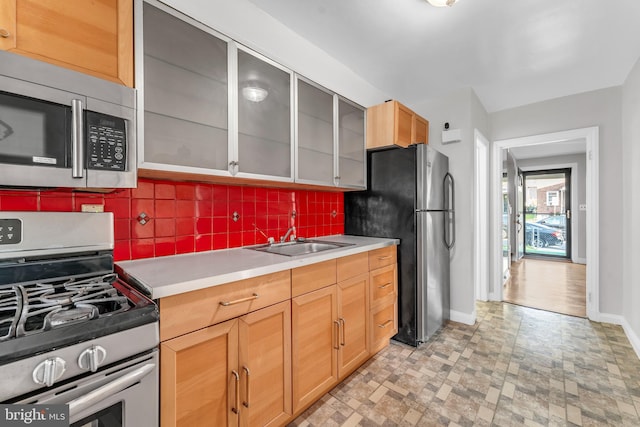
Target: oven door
123	395
40	138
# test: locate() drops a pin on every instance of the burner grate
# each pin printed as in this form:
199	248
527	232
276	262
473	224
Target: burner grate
31	308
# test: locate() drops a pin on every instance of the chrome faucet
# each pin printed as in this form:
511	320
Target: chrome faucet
286	235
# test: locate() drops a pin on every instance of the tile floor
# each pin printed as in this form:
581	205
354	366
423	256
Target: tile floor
515	366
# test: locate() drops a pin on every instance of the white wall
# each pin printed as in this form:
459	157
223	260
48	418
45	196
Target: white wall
601	108
247	24
463	111
631	205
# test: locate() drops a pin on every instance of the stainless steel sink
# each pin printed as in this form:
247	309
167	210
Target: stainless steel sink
299	247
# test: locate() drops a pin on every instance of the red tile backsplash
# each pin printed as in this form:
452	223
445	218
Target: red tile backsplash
189	217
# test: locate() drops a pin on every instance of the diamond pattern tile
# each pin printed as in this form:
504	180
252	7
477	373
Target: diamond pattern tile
516	366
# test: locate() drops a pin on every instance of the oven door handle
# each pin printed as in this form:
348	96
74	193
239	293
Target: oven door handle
101	393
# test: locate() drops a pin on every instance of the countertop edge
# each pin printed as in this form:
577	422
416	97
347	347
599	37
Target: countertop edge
271	264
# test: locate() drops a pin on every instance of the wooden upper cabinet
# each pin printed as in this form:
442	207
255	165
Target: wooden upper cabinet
392	123
93	37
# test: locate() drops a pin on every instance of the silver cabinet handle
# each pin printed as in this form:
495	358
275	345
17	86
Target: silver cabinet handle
337	345
385	324
236	409
4	33
116	386
384	257
386	285
247	387
77	139
238	301
342	327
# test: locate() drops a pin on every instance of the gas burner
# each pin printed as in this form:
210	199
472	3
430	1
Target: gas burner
31	308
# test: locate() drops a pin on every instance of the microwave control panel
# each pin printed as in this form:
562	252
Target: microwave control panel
106	142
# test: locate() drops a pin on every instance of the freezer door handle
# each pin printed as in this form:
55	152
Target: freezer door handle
448	183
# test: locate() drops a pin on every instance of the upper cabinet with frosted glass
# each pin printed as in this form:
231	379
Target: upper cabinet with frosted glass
330	138
216	111
265	118
185	94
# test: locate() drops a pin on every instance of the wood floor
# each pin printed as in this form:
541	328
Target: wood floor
556	286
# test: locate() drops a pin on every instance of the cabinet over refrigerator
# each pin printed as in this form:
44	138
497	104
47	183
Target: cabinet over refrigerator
410	196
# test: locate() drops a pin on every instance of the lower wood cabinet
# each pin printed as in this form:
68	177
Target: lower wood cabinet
314	343
259	351
233	373
330	337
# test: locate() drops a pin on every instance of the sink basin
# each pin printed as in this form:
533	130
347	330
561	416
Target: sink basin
301	247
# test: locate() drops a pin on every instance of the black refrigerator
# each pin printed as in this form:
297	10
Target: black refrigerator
410	196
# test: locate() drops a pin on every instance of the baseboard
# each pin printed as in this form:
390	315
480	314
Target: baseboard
466	318
579	261
629	332
633	337
614	319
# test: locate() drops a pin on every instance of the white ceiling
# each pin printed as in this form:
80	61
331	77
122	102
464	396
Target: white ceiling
511	52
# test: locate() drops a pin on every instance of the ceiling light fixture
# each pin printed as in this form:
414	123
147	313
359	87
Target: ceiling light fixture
441	3
254	93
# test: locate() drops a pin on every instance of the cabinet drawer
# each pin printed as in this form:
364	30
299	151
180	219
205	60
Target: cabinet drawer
312	277
353	265
187	312
382	257
384	324
383	282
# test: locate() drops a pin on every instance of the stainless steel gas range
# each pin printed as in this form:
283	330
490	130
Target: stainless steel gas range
70	331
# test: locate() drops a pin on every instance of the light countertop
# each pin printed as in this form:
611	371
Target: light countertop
176	274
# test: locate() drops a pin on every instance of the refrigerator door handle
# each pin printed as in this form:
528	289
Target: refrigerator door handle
449	183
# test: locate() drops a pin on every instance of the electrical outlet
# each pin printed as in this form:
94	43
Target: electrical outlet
92	208
582	207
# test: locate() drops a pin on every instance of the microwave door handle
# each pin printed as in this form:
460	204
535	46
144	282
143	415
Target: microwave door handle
77	139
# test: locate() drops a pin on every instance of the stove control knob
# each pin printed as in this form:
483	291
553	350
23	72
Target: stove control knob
92	357
49	371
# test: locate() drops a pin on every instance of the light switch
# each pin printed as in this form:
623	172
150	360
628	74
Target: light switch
582	207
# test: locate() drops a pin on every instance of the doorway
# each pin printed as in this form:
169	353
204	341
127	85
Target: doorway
547	212
590	138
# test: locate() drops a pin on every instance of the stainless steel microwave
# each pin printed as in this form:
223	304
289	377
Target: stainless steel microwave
62	128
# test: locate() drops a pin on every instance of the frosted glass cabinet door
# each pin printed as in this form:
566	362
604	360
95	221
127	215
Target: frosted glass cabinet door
351	142
315	135
185	93
264	118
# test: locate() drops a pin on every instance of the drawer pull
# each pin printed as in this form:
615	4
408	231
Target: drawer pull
337	323
238	301
236	409
342	327
4	33
385	324
386	285
384	257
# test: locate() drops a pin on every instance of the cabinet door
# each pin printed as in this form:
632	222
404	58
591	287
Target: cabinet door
93	37
185	94
315	149
265	366
265	124
421	130
353	313
403	125
314	345
199	378
351	146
